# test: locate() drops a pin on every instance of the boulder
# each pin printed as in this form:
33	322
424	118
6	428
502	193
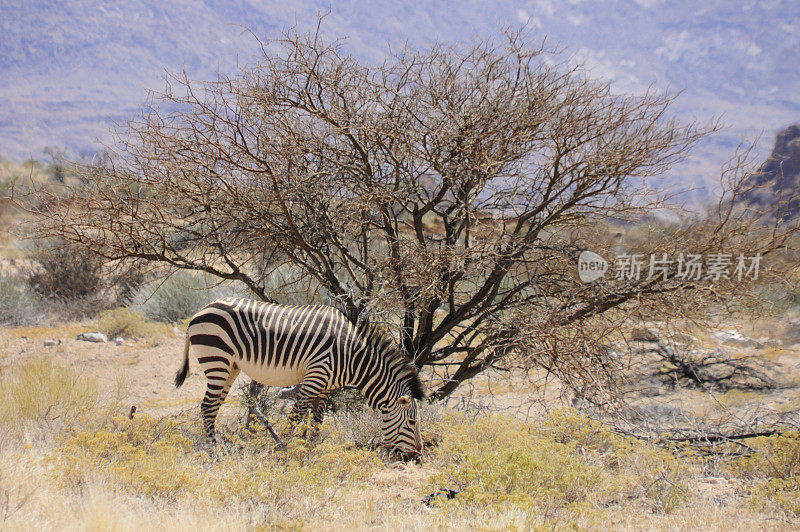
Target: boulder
96	337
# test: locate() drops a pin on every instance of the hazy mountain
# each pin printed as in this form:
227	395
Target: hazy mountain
67	68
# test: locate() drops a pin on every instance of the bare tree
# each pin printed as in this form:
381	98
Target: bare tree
447	192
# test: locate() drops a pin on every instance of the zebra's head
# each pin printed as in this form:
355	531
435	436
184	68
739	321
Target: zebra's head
400	426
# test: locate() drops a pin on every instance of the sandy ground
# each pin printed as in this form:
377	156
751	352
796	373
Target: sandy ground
141	370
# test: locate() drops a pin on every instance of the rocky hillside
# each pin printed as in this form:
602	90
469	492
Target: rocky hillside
779	176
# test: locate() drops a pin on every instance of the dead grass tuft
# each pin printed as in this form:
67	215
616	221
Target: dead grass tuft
42	391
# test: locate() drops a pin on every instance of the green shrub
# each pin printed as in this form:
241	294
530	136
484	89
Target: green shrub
775	457
639	468
498	461
175	298
162	457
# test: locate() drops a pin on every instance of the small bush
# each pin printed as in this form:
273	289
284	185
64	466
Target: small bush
640	469
778	493
42	391
775	466
775	457
127	323
496	462
360	426
65	271
176	298
18	305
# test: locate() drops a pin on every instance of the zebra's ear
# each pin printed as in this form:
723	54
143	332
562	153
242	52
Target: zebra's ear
403	400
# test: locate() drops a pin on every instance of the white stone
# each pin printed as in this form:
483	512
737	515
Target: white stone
731	337
96	337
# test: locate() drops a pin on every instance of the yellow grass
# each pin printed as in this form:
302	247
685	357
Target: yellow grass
91	467
39	391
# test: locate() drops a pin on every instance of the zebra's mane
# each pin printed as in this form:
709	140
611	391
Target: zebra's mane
382	344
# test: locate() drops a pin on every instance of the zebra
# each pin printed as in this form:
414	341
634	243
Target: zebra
315	346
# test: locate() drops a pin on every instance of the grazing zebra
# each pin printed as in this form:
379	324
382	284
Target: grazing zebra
315	346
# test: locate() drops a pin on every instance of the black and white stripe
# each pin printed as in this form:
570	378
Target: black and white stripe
315	346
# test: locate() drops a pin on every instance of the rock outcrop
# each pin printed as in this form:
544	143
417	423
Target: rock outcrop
779	177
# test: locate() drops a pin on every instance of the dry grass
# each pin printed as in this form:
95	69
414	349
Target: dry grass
70	458
109	472
41	392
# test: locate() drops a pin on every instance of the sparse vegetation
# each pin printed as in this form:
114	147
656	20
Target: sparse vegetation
163	458
562	470
127	323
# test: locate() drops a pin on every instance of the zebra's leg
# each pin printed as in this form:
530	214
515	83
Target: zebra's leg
218	382
308	396
318	406
318	409
234	372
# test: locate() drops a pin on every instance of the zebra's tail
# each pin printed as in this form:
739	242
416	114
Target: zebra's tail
184	371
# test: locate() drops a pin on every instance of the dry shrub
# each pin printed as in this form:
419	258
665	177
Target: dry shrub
775	468
568	464
360	426
164	458
65	271
350	419
42	391
128	324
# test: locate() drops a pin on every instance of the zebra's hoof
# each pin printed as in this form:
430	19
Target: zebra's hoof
280	447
